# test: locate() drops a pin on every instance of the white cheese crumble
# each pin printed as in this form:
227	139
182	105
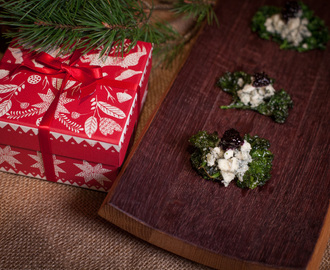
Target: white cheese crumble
240	82
294	30
231	163
254	96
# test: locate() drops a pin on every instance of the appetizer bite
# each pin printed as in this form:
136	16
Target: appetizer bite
256	93
246	161
293	27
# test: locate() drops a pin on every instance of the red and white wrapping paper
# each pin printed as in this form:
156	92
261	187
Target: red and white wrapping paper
88	136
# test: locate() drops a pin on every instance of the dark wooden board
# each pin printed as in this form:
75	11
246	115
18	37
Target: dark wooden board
162	200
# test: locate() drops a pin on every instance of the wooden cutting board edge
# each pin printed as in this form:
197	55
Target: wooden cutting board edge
193	253
321	244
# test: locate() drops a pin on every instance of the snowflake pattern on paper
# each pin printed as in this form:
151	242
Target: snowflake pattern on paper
56	167
39	163
60	106
7	155
47	100
39	108
88	172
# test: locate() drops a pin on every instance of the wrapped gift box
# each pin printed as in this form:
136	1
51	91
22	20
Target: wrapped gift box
88	135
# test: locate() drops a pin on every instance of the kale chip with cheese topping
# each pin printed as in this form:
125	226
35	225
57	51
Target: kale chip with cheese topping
295	27
257	96
246	161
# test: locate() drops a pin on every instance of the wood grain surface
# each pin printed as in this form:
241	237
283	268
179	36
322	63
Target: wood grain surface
286	223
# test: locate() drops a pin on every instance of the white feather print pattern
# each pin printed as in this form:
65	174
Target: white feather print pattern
108	126
3	73
5	107
111	110
127	74
131	59
123	96
6	88
90	126
95	60
17	54
56	53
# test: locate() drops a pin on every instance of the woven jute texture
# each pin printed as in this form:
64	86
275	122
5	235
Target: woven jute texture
44	225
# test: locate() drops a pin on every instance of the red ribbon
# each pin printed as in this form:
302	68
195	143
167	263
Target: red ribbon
87	77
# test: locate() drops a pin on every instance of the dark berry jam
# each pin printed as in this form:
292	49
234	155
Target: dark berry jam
290	10
231	139
260	79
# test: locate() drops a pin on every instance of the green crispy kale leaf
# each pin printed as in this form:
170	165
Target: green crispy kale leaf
259	168
318	40
277	107
203	141
261	165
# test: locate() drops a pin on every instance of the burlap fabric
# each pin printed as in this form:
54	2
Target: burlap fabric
46	225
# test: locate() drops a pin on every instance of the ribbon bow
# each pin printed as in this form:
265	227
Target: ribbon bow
87	76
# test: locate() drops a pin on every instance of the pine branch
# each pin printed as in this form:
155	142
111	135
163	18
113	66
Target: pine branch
199	9
47	24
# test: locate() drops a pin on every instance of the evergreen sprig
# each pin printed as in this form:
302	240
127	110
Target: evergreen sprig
199	9
47	24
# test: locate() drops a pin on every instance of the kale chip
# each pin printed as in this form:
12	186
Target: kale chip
202	142
318	40
259	168
261	165
277	106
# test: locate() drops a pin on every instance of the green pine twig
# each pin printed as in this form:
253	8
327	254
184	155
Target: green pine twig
48	24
